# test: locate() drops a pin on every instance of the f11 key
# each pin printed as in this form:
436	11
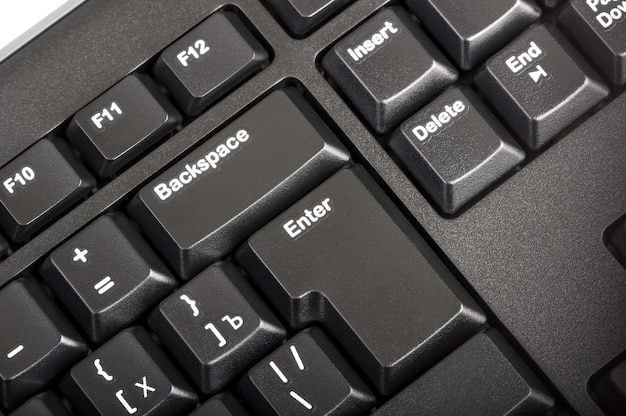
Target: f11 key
345	257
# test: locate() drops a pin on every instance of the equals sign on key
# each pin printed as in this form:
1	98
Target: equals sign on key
104	285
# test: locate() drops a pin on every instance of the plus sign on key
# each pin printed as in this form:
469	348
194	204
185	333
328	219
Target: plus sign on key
80	255
107	275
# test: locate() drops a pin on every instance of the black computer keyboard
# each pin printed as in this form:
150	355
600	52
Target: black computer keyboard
316	207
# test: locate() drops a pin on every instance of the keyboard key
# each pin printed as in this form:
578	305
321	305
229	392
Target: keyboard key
615	239
209	61
45	404
608	386
38	185
107	276
345	257
388	68
600	28
550	4
4	247
302	16
216	326
128	375
224	404
472	30
306	376
215	197
122	123
540	85
37	341
455	148
483	377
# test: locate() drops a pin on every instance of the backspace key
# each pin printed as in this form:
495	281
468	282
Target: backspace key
215	197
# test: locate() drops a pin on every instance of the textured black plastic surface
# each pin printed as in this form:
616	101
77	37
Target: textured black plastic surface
482	377
532	248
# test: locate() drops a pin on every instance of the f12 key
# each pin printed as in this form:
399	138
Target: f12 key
208	61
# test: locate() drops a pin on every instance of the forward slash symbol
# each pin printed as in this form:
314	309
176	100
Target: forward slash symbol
104	285
296	357
15	351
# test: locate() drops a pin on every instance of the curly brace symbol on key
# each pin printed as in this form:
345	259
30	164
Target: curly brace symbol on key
191	303
101	372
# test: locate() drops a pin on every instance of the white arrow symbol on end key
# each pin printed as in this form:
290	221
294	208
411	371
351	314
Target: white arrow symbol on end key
538	73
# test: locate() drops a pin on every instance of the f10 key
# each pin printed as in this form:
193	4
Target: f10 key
39	185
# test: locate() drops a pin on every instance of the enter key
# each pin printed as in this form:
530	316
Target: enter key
345	257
